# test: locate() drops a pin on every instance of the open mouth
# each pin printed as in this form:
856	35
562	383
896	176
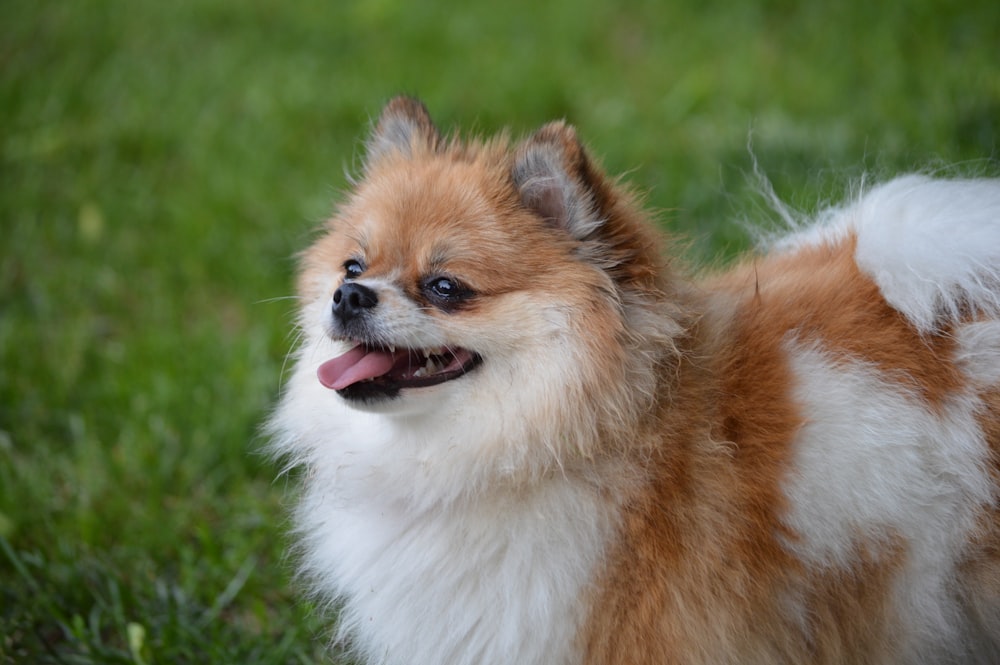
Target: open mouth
373	371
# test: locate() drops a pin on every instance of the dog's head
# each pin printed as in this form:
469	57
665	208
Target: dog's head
485	277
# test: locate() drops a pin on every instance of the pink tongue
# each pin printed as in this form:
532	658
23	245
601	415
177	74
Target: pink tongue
356	365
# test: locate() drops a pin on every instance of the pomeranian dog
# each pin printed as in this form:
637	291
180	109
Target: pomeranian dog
528	436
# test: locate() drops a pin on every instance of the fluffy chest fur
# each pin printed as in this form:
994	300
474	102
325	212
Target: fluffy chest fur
493	581
533	439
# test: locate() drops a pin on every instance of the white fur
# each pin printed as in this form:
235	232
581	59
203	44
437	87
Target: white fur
428	581
978	352
497	581
874	462
932	246
427	518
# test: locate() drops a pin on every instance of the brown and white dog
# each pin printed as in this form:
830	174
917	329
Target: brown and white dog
531	438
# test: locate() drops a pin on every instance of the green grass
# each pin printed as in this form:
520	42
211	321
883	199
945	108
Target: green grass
161	163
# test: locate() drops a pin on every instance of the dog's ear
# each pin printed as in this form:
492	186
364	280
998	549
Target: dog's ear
555	178
404	127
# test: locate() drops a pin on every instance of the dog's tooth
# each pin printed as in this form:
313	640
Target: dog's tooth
427	353
392	348
420	372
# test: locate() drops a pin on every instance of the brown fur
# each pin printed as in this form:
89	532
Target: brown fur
702	544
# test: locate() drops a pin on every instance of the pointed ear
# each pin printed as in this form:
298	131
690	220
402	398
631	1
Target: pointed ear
404	127
555	179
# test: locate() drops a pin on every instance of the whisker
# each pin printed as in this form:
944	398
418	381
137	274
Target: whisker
297	334
265	301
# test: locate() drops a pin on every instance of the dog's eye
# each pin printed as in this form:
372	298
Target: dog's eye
446	291
443	287
353	268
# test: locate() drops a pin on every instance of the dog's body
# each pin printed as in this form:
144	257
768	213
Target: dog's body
605	462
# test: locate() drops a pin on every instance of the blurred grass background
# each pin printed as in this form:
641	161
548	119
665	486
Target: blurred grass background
161	163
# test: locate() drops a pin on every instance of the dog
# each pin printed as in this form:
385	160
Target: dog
529	434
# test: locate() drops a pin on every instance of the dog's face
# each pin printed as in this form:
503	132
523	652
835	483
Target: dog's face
431	274
434	274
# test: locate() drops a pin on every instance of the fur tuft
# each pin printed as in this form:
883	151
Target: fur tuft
932	246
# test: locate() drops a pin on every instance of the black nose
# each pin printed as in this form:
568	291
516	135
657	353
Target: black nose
352	300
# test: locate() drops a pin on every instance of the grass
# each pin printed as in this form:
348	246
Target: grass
161	163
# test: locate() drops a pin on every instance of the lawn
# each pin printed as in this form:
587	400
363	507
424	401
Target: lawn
162	162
